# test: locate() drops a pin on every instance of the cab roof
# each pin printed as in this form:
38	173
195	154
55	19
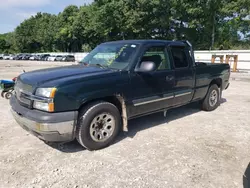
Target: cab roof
149	41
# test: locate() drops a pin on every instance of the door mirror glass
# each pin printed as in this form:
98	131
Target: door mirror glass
146	66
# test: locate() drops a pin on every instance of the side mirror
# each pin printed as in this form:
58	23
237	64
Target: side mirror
146	66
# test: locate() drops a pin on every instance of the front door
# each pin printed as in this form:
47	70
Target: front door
184	75
155	90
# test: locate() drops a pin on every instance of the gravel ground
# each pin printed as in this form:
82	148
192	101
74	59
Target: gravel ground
188	148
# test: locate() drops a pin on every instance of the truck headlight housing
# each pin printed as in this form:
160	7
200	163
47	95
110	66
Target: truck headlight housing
46	92
48	107
46	103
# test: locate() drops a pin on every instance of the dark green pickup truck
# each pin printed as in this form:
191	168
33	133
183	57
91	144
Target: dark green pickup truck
115	82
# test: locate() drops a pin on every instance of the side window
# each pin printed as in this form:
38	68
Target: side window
158	56
179	57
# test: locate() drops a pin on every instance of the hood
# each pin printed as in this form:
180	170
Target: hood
39	77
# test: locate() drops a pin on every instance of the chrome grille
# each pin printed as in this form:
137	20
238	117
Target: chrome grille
21	90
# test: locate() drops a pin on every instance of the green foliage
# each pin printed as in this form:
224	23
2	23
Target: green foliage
7	43
86	48
3	43
208	24
67	38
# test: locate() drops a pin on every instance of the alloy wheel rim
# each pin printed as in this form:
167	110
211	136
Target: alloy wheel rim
213	98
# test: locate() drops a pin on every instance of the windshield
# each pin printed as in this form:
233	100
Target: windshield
116	56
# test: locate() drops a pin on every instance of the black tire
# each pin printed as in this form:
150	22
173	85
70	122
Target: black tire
87	115
8	95
3	94
208	105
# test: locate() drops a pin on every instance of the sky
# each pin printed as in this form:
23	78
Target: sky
13	12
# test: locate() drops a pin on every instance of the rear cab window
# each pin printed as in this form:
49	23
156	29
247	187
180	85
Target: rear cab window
180	57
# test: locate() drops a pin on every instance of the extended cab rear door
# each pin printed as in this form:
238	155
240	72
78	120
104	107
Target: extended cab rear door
184	74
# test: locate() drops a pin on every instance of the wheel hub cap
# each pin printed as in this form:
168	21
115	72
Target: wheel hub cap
102	127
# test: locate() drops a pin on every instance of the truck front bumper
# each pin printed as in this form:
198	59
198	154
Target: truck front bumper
52	127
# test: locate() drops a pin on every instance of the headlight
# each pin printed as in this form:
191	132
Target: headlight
48	94
48	107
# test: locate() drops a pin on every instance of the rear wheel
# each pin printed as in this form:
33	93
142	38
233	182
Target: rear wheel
3	93
98	125
212	99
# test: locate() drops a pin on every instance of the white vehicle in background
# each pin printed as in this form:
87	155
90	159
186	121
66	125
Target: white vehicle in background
34	57
11	57
52	58
6	57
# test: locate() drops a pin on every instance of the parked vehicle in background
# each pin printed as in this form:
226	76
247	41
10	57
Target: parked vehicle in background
15	56
68	58
6	57
19	57
46	58
115	82
26	57
43	57
58	58
37	57
34	57
51	58
1	56
11	57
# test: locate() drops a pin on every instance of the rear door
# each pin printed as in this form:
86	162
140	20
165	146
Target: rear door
155	90
184	74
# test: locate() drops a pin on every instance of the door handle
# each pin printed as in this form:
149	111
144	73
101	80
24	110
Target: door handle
169	78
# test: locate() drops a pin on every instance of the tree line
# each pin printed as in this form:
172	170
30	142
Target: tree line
208	24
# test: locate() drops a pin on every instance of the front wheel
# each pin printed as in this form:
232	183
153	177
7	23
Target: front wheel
98	125
212	99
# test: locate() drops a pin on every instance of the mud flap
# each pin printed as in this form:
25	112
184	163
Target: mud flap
124	113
